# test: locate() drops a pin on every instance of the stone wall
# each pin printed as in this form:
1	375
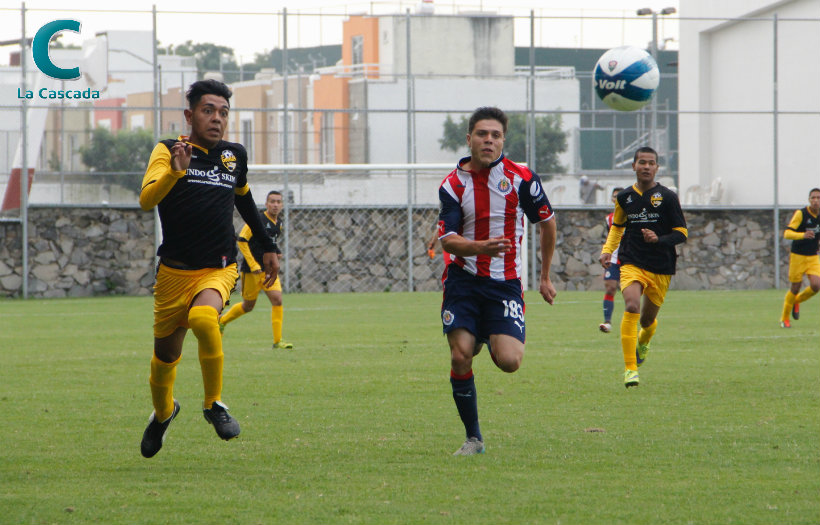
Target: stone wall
92	251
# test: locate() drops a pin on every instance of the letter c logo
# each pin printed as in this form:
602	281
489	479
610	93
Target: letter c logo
39	49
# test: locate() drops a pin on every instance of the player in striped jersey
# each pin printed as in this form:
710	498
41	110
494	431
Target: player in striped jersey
647	225
804	232
612	276
481	222
195	182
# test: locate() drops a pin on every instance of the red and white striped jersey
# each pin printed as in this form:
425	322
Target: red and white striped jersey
492	203
609	217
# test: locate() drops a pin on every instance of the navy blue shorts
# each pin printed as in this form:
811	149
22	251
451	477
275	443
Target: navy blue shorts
613	273
482	306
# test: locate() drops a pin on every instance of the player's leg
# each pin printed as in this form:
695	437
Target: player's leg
164	361
632	289
610	286
462	346
653	296
508	352
789	302
250	291
813	275
277	314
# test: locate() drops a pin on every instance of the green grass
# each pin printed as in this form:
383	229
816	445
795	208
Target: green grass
357	423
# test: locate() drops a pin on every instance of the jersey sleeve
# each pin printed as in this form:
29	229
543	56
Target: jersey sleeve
791	232
533	200
159	177
242	186
450	214
616	230
245	235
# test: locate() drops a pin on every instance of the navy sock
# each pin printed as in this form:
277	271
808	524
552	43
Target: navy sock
609	306
464	394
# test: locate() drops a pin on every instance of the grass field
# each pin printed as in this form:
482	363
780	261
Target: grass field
357	423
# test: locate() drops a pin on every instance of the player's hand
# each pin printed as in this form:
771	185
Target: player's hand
649	235
270	262
494	247
547	290
809	234
605	259
181	156
431	253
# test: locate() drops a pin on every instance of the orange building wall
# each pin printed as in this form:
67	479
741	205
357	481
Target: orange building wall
331	92
366	26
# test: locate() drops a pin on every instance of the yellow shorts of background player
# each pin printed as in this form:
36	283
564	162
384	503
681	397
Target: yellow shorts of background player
253	283
800	265
175	291
654	284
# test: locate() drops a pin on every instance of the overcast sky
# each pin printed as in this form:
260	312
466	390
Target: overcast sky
255	25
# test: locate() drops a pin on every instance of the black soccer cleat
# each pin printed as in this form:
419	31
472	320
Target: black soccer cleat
155	432
226	426
796	311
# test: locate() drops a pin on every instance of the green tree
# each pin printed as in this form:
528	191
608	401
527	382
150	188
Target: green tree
207	57
550	140
126	151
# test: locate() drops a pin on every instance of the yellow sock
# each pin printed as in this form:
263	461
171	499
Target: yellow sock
162	380
788	303
805	295
629	329
645	334
276	316
235	312
203	322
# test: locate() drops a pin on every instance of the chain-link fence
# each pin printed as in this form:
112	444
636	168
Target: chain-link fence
384	84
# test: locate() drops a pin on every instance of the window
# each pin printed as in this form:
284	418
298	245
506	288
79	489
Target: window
328	142
358	49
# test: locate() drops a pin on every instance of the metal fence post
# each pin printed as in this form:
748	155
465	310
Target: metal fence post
24	146
776	209
285	145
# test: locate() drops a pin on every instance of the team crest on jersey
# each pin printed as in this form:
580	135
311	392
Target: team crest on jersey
504	186
656	200
447	317
228	159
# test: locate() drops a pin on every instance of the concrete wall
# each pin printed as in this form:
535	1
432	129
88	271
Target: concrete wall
727	66
82	251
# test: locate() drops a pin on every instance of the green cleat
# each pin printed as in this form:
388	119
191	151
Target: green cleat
283	345
221	328
640	353
631	378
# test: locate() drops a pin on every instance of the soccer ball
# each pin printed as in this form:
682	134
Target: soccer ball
625	78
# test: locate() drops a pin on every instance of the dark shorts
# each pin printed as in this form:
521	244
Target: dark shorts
482	306
613	273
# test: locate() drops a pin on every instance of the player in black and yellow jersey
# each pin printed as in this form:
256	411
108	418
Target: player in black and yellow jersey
252	276
195	182
648	223
804	232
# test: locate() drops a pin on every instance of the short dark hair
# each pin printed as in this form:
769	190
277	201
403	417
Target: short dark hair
207	87
485	113
273	192
645	149
813	190
617	190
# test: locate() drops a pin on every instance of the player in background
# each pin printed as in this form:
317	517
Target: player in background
612	277
646	226
195	182
804	232
481	221
252	276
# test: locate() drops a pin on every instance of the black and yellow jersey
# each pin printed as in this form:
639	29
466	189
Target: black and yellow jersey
657	209
250	246
196	205
803	221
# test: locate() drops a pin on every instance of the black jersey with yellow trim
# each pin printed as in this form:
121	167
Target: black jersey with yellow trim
272	227
805	222
197	214
657	209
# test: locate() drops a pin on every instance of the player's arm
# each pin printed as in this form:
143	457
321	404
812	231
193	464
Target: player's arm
245	235
791	232
548	232
613	238
247	210
165	168
450	218
679	232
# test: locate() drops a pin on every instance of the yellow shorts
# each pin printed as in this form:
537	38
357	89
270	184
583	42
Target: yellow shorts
175	290
800	265
253	283
655	285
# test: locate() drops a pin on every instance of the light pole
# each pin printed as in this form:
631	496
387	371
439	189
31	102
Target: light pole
653	50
